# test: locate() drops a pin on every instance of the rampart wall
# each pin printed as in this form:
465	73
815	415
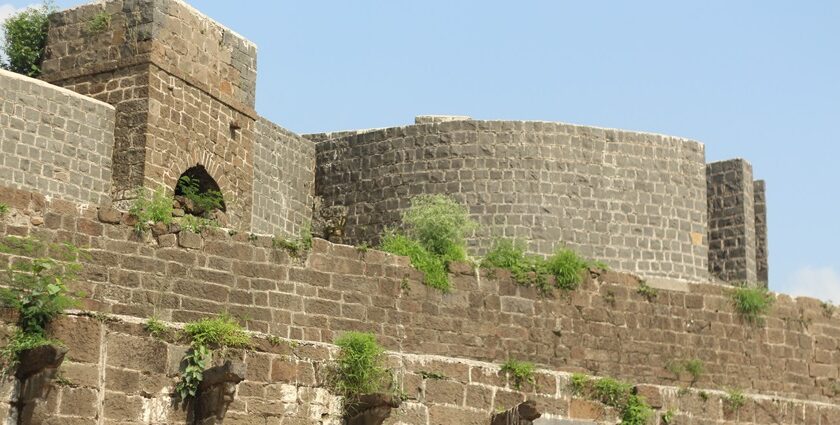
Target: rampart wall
115	372
54	141
604	328
634	200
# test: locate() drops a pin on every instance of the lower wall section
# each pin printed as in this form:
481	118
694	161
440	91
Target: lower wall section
115	373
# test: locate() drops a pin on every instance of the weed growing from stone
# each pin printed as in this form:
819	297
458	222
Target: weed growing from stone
434	234
636	411
565	265
520	372
431	375
362	248
205	335
4	209
155	327
827	306
196	224
614	393
24	38
99	23
359	369
752	303
37	289
693	367
734	400
206	201
154	207
295	247
668	417
273	340
578	384
703	396
647	292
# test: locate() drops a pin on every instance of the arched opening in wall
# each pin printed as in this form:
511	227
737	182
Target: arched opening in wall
198	194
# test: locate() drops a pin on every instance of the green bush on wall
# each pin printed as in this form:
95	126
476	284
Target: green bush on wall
24	39
359	366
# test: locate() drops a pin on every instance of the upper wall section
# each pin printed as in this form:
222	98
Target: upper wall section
54	141
168	33
284	180
634	200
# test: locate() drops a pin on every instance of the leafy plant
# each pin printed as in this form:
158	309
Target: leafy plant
440	224
611	392
579	384
432	266
734	399
19	342
220	331
25	38
565	265
196	224
647	292
668	417
636	411
155	327
703	395
100	22
752	303
362	248
521	372
273	340
196	361
4	209
358	367
217	332
695	368
206	201
154	207
295	247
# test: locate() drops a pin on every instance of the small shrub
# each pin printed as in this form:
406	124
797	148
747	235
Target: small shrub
703	395
362	248
358	368
827	307
100	22
695	368
565	265
636	411
440	224
19	342
38	290
155	327
752	303
647	292
295	247
734	399
611	392
579	384
155	207
668	417
25	38
196	224
195	360
219	331
273	340
4	209
432	266
521	372
204	201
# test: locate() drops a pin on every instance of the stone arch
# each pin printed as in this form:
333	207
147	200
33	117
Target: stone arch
206	182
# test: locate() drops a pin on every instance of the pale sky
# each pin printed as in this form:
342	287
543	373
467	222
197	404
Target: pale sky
752	79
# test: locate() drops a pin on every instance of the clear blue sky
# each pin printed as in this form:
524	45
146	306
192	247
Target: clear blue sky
752	79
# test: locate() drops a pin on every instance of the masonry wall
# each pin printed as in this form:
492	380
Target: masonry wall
634	200
182	84
732	225
54	141
284	181
604	328
115	372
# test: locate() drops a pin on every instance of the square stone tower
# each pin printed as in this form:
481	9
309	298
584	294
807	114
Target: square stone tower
183	87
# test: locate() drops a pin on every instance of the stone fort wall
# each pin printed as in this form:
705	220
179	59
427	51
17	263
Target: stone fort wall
604	328
634	200
54	141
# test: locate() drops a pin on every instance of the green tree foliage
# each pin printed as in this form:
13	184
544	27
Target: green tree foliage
24	40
